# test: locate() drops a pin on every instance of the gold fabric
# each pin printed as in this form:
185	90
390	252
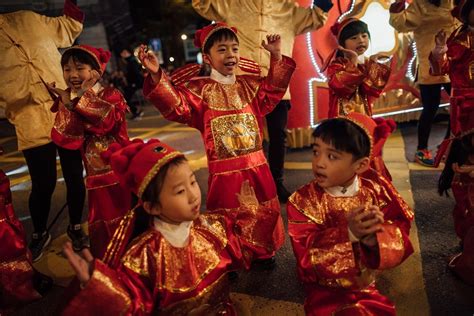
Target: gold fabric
29	45
425	20
282	17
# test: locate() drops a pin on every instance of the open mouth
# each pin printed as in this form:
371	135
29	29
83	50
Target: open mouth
361	48
230	64
320	177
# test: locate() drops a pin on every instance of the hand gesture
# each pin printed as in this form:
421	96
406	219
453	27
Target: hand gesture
81	265
363	221
440	38
89	83
349	54
148	59
380	57
469	169
247	197
64	95
273	45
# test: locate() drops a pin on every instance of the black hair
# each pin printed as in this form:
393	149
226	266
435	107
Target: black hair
345	136
78	55
219	35
435	2
351	29
152	195
458	153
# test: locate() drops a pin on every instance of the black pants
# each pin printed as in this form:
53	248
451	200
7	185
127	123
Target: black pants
129	92
430	97
276	124
41	163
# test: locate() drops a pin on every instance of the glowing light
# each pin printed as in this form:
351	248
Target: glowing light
405	111
322	77
171	59
410	74
347	12
184	37
311	102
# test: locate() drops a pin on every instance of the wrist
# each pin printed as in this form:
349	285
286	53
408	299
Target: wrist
276	56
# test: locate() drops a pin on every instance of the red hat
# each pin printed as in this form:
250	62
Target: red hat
138	163
337	28
378	130
202	35
101	56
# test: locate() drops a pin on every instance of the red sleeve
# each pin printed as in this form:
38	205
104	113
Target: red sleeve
397	7
376	78
344	77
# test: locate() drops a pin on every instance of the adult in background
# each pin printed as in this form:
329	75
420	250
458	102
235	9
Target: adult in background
425	18
134	77
282	17
29	45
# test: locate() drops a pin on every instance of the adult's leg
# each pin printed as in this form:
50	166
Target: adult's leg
430	97
41	163
276	124
71	165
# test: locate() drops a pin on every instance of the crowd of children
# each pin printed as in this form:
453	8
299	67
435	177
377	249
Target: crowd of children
159	255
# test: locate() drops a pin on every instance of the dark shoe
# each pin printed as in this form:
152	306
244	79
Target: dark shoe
424	157
282	192
42	283
78	238
137	116
265	264
38	243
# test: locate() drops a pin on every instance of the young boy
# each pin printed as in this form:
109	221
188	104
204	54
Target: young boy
346	224
228	110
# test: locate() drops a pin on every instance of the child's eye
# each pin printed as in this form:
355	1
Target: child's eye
315	153
332	157
180	191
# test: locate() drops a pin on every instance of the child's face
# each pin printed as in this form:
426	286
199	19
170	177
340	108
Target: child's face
75	73
332	167
180	197
357	43
224	56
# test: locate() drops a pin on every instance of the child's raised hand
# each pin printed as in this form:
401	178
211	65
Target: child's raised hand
81	265
440	38
380	57
148	59
364	221
89	83
273	45
247	195
349	54
60	93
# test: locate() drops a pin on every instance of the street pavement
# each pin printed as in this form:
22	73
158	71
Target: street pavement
420	286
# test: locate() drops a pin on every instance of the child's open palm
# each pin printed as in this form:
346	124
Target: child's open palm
81	265
273	44
349	54
247	195
60	93
440	38
148	60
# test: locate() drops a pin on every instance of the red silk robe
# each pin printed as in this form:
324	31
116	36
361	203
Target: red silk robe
463	212
339	275
97	121
16	270
230	119
156	278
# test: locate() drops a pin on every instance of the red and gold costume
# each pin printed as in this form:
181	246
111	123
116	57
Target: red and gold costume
96	121
353	88
161	272
339	275
463	213
16	270
230	119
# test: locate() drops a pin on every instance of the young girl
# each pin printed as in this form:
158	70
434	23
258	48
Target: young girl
228	110
90	118
347	225
354	81
165	257
455	56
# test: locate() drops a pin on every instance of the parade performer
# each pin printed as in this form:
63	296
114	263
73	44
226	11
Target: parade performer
354	80
165	257
90	118
455	56
347	224
20	283
29	45
254	20
425	18
228	110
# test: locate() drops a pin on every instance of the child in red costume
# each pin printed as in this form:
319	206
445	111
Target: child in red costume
347	224
455	56
228	110
166	258
90	118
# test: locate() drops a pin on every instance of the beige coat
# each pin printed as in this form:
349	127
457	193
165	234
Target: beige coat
425	20
254	19
29	53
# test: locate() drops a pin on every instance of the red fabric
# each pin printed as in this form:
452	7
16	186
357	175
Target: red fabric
463	212
397	7
337	27
100	55
201	35
73	11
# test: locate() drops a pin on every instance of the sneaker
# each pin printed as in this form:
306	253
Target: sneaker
38	243
282	192
424	157
78	238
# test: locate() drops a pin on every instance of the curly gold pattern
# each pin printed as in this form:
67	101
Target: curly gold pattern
226	97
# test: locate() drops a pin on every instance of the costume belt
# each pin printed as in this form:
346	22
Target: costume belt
238	163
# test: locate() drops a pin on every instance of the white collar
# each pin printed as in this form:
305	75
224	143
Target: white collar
361	59
350	190
217	76
176	235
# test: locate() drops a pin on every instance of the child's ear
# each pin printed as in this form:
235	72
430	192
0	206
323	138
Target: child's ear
206	58
362	165
148	207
